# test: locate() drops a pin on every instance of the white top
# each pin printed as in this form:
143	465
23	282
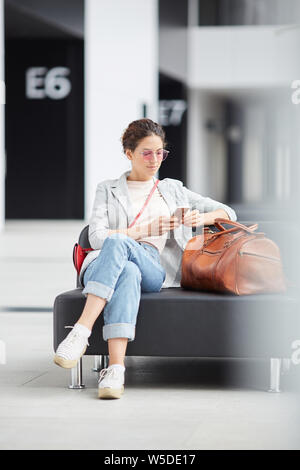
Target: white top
138	193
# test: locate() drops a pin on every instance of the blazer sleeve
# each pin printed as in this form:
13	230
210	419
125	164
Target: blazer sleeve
206	204
98	223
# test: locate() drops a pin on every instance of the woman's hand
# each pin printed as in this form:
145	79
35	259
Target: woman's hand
156	227
161	225
194	218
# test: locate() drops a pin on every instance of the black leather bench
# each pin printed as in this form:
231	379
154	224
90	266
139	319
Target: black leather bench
177	322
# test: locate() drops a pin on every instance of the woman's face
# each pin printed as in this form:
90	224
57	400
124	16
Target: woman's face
146	167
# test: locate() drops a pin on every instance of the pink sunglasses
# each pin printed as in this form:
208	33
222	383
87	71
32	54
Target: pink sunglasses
149	154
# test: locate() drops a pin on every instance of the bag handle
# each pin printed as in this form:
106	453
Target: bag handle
219	221
146	202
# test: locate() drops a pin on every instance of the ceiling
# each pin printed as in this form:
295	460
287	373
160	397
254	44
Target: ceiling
56	19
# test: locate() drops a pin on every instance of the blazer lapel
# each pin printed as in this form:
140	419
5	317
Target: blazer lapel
181	232
120	191
169	199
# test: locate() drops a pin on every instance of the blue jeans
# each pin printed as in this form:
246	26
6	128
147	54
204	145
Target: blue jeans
123	269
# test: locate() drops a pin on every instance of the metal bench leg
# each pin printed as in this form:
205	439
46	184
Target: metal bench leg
76	376
101	362
104	361
286	365
275	372
97	363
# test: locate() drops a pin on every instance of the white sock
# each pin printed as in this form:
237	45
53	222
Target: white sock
83	330
118	366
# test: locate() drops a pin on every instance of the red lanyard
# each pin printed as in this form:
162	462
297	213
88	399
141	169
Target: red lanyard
146	202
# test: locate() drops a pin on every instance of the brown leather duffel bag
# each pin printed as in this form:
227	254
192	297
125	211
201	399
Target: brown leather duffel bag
236	261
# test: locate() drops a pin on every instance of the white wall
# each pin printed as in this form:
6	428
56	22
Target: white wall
172	52
2	148
206	151
121	73
241	57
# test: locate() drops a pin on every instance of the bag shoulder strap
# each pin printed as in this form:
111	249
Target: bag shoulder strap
145	204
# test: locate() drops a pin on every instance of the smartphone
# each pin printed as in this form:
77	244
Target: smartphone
179	213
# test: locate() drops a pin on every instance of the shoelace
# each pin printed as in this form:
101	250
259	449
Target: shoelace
74	336
110	372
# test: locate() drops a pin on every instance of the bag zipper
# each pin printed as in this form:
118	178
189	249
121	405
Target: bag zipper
241	253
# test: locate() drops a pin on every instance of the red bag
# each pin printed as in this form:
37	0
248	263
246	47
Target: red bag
79	253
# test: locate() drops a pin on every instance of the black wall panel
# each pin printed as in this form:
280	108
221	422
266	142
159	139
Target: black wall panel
44	129
173	118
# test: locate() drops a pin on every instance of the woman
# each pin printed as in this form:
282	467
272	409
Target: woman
130	258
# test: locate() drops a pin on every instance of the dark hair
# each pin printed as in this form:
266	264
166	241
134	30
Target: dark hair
138	130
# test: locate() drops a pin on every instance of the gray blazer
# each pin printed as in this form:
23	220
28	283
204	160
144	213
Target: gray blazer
112	209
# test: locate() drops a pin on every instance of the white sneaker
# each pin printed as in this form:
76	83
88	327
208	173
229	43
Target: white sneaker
71	349
111	382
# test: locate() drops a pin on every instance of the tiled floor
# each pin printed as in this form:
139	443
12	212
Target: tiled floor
169	403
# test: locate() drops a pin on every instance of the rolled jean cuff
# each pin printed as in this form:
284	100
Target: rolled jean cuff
99	289
119	330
